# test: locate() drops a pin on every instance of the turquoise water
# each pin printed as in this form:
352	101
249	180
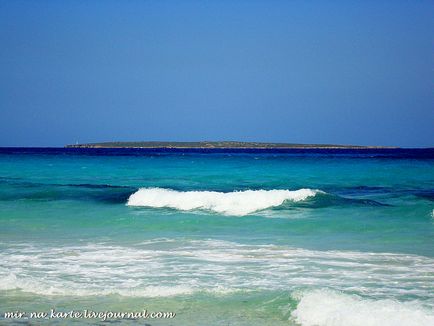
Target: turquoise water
219	238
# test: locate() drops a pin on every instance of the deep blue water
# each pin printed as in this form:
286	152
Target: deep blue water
403	153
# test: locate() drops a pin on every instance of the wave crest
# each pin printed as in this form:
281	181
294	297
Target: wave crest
332	308
237	203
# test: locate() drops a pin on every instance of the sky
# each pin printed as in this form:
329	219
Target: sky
336	72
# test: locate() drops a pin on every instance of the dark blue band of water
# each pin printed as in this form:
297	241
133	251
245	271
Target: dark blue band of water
394	153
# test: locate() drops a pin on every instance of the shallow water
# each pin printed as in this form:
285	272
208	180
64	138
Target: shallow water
247	238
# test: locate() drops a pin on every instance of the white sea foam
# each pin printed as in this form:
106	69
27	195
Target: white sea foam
169	267
331	308
237	203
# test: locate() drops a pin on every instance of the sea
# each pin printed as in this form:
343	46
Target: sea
218	237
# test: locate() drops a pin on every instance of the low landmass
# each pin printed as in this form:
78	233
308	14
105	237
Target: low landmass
217	145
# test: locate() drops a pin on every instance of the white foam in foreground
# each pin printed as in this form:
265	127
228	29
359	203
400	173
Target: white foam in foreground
330	308
171	267
231	203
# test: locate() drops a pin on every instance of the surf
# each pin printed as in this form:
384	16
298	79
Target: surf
163	267
323	307
237	203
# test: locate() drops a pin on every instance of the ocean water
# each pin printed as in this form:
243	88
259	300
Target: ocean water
290	237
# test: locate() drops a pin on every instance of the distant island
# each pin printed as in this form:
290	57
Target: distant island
217	145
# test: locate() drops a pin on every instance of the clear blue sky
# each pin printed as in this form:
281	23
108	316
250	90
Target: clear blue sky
347	72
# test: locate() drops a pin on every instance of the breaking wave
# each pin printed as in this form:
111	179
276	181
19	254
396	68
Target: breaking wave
237	203
333	308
